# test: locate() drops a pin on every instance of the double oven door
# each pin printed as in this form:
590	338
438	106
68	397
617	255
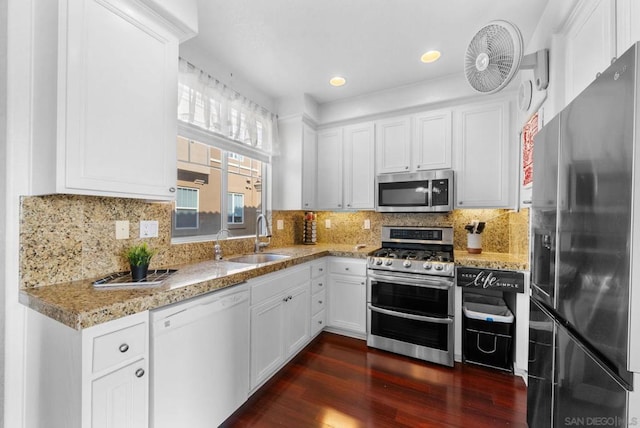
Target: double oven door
411	314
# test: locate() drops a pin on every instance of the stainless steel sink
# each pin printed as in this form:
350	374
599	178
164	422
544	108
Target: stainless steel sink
258	258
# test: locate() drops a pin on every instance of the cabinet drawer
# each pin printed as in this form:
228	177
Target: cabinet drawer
318	268
348	267
273	284
317	322
318	284
121	345
318	302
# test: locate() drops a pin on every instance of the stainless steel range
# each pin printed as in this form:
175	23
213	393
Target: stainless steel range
410	293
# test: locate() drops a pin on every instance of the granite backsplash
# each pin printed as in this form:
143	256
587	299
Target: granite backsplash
66	238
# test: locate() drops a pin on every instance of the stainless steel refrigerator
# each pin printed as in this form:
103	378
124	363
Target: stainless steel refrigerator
581	262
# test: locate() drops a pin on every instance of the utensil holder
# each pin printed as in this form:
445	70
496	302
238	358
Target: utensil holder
474	243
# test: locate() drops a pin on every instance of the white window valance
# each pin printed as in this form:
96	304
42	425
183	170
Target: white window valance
205	102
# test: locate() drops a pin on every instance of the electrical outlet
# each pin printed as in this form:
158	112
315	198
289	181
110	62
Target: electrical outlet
280	224
327	223
122	229
367	224
148	229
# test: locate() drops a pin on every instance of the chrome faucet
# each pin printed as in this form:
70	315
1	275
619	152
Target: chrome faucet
259	245
217	250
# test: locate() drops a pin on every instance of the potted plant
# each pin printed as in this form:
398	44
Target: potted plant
139	257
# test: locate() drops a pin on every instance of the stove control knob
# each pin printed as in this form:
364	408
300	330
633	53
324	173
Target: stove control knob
378	262
406	263
427	266
388	262
438	267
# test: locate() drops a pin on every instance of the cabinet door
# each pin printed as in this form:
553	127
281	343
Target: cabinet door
120	398
484	164
297	318
330	161
347	303
267	339
393	139
117	102
359	166
590	45
432	141
309	155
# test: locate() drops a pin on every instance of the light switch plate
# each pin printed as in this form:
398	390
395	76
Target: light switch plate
148	228
280	224
122	229
367	224
327	223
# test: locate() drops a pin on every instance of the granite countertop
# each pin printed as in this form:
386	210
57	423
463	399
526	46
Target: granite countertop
503	261
80	305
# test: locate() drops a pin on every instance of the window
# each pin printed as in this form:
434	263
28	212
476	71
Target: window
217	189
186	214
235	208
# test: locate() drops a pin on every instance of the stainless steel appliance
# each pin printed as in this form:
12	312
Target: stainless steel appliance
424	191
410	293
582	219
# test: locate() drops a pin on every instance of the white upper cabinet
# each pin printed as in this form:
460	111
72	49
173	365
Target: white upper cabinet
346	167
431	145
484	161
414	143
358	166
294	167
393	145
330	161
114	111
590	44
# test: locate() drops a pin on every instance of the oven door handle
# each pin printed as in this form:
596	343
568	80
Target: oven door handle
411	316
442	284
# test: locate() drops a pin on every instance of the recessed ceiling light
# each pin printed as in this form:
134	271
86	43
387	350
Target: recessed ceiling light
337	81
430	56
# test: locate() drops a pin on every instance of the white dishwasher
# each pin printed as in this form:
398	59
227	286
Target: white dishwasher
200	359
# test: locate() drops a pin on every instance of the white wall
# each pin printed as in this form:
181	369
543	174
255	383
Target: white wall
16	180
3	186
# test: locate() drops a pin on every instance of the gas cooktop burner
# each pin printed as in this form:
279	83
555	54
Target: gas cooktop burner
415	250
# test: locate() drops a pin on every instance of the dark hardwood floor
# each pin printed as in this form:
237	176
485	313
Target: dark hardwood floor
337	381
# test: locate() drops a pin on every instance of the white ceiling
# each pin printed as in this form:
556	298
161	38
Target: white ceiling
286	48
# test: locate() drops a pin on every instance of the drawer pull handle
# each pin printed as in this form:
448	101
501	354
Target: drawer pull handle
346	268
123	348
139	372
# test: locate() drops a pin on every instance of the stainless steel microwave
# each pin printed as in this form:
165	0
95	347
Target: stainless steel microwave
417	192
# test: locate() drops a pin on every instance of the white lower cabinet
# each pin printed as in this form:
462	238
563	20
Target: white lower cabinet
280	313
318	296
119	398
348	296
97	377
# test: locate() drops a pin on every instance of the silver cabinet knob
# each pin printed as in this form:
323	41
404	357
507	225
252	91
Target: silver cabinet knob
320	322
139	372
319	284
320	302
123	348
172	189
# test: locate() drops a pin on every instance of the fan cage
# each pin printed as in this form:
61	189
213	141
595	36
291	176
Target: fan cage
501	41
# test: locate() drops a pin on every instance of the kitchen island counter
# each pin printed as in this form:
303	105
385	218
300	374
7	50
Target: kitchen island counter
80	304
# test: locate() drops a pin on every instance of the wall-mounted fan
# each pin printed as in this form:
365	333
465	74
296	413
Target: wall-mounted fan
494	55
